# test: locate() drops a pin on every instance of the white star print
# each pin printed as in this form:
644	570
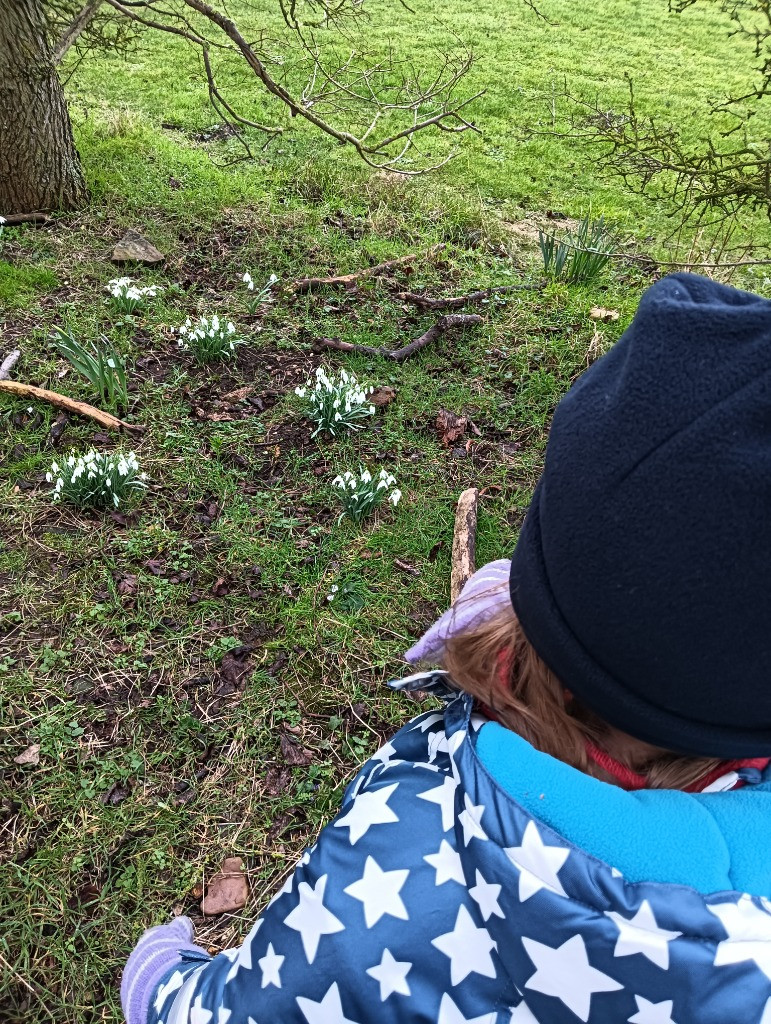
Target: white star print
270	965
328	1011
368	809
641	934
749	934
392	975
468	948
485	895
174	982
470	820
223	1015
437	744
379	891
455	741
180	1012
566	974
384	754
199	1015
427	722
522	1014
652	1013
538	864
446	863
243	955
311	918
444	796
450	1014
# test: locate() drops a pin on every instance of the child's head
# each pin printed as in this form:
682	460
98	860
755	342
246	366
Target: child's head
642	574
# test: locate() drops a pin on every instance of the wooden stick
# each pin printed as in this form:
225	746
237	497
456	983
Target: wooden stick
464	542
444	323
8	363
104	419
312	284
35	217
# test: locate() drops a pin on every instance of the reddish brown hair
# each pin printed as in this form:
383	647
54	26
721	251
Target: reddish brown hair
496	663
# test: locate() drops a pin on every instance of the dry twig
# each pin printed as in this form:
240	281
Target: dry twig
446	323
104	419
464	542
312	284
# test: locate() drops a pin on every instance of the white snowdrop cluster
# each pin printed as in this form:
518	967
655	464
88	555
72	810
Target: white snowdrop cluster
96	479
360	494
336	404
127	295
208	339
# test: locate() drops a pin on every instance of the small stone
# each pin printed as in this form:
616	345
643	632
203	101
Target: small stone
228	889
134	247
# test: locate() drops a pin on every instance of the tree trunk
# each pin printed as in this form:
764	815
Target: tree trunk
39	165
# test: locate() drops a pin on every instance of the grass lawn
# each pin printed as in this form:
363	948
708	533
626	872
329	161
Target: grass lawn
192	691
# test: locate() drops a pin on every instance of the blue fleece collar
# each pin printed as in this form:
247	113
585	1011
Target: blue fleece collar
712	842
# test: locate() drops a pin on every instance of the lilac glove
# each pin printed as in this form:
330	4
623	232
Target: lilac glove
485	594
157	951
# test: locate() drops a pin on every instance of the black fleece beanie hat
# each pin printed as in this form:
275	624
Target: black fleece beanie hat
642	574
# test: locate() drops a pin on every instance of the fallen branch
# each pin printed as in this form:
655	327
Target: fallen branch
311	284
8	364
104	419
464	542
458	301
36	217
443	324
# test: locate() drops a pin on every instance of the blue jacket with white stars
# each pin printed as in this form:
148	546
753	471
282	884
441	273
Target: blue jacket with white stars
438	896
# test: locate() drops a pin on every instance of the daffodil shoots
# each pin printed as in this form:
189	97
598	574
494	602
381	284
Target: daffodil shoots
336	404
361	494
96	480
209	339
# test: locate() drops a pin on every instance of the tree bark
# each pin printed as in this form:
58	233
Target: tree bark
39	164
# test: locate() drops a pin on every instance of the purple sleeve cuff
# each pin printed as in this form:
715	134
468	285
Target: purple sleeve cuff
485	594
157	951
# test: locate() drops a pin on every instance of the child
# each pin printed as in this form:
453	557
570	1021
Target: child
574	837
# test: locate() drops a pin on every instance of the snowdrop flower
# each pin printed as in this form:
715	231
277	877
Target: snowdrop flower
359	495
209	339
96	479
335	403
2	220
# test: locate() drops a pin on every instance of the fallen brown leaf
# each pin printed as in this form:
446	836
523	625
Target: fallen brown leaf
382	396
29	756
450	427
606	315
238	395
228	890
293	753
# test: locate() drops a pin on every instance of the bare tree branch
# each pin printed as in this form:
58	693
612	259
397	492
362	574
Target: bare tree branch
76	27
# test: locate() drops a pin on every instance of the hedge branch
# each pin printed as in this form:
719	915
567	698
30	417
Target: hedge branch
451	321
